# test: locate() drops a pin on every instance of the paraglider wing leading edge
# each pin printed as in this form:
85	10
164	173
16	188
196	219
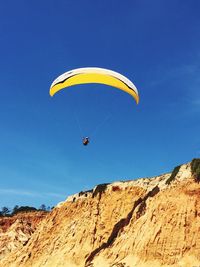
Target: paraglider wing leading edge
94	75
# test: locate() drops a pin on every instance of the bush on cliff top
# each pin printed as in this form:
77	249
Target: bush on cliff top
195	167
173	175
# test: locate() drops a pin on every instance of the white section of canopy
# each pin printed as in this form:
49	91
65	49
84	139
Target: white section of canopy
115	74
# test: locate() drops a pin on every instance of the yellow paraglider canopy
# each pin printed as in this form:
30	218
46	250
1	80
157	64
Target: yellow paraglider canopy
94	75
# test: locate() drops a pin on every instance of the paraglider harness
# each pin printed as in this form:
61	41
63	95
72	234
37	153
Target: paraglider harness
86	141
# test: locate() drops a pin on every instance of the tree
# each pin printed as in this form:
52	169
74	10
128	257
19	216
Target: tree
43	207
5	211
15	209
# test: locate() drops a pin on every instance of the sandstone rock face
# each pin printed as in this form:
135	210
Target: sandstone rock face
144	222
15	231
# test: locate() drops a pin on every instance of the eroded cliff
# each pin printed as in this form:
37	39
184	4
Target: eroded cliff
15	231
144	222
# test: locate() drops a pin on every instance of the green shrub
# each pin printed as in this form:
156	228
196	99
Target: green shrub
195	167
23	209
173	174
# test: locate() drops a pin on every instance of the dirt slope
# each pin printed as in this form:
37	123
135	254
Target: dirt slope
15	231
145	222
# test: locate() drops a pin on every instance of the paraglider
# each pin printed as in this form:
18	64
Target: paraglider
86	141
93	75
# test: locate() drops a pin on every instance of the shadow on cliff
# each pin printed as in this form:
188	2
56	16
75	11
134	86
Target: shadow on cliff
141	204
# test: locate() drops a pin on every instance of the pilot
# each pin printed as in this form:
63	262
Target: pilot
85	141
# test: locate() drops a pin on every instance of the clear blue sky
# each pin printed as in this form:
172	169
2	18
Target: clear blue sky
156	44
